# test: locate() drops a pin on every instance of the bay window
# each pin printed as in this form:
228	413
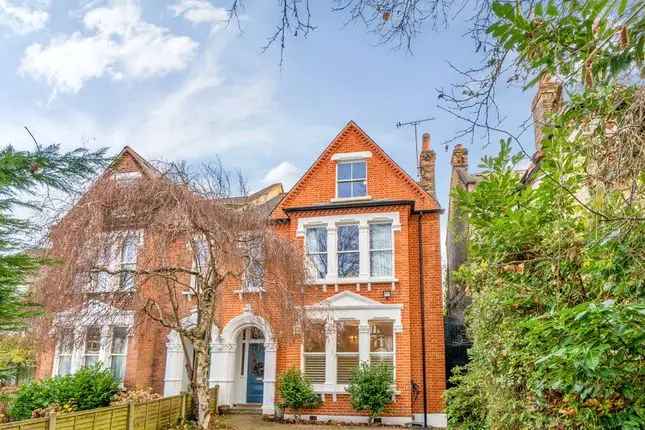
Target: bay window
316	251
314	355
380	250
347	352
348	251
351	179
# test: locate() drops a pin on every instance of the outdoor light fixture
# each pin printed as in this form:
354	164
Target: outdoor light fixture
387	294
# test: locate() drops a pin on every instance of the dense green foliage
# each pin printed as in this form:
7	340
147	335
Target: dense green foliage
296	392
22	175
370	389
556	263
90	387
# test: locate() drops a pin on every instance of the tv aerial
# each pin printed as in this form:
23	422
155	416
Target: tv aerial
415	124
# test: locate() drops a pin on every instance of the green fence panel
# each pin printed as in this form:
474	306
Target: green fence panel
33	424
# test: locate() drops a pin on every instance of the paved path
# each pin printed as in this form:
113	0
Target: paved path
255	422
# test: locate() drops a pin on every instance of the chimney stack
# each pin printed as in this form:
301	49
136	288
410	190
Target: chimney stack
459	156
427	160
547	100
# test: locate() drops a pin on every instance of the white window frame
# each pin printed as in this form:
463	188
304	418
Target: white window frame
59	352
331	223
126	177
306	354
312	269
115	262
385	354
390	249
351	181
96	353
123	354
352	251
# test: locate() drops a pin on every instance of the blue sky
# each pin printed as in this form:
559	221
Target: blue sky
168	79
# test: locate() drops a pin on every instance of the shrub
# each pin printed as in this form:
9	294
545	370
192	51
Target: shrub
138	395
370	389
89	388
296	392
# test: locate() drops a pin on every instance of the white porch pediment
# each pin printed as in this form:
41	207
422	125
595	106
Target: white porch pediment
347	299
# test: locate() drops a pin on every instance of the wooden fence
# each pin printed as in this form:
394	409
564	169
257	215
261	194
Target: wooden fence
153	415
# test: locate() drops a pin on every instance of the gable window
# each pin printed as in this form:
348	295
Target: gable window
347	354
126	177
118	351
351	179
380	250
348	251
382	344
314	352
316	250
65	349
92	346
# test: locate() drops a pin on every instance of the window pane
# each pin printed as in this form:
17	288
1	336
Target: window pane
315	368
116	366
344	189
383	359
319	265
130	246
347	336
344	171
93	340
316	239
344	368
255	333
64	365
358	170
91	360
119	340
348	264
380	236
66	342
381	263
381	336
359	189
348	238
315	337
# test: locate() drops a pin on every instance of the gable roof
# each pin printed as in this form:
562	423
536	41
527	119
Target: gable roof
427	201
145	166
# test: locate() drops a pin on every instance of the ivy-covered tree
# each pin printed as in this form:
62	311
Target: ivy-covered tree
24	175
556	261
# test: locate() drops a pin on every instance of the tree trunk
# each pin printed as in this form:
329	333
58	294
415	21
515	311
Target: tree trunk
200	385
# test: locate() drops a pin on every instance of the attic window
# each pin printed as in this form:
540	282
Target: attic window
351	179
126	177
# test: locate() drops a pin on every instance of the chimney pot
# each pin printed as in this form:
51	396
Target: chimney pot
426	142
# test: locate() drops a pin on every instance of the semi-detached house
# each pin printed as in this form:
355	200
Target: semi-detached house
371	233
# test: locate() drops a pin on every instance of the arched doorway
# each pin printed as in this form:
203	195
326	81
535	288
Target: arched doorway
244	362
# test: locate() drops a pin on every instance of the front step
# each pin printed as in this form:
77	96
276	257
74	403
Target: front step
245	409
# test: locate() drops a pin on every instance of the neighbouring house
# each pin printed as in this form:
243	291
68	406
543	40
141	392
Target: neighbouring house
548	99
371	233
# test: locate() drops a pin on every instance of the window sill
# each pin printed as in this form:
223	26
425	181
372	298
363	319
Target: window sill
350	199
340	389
353	281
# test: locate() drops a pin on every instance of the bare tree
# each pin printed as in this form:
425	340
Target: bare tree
143	244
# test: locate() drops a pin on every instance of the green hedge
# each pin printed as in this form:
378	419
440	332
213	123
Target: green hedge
89	388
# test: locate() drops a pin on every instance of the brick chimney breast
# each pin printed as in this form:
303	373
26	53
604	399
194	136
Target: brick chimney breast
427	160
547	100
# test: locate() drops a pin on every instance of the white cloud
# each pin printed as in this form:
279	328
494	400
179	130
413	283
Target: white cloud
117	43
23	19
285	172
200	12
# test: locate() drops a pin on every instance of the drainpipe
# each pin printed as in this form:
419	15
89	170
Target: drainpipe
423	326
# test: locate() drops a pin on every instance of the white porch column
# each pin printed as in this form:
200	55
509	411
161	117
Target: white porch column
270	365
222	371
175	366
364	342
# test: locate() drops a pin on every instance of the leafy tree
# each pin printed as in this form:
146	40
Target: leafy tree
370	389
22	175
296	392
556	257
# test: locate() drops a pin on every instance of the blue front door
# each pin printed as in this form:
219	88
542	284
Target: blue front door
255	373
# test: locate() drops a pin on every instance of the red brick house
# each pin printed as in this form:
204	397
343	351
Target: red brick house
371	235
